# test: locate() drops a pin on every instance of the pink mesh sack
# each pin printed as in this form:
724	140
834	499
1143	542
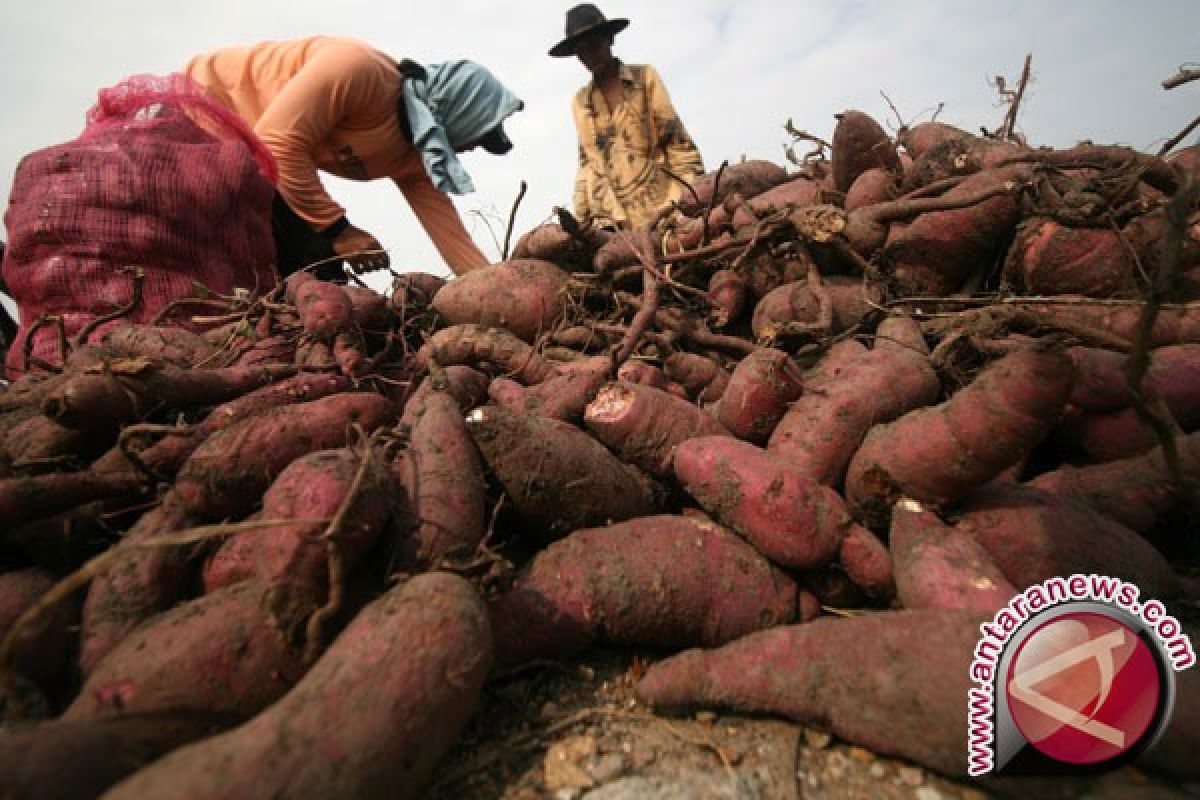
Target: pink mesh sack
162	179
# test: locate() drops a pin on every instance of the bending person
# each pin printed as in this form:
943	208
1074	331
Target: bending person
340	106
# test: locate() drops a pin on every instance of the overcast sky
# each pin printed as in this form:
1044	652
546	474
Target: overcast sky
736	70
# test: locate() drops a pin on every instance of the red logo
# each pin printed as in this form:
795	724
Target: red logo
1083	688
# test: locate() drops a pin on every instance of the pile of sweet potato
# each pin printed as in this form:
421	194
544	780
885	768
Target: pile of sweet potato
822	421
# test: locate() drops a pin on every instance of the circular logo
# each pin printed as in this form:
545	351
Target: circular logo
1084	688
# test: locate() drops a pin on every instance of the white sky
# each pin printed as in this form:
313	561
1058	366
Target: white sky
736	70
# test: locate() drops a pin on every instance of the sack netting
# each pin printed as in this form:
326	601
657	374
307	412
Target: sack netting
163	180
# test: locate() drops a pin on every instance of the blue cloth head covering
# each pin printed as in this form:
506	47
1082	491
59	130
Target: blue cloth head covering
454	104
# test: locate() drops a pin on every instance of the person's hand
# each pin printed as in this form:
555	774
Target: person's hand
362	251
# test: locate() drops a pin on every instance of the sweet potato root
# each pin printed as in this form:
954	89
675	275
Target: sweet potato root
939	567
787	516
702	378
225	654
79	759
727	296
645	425
1032	535
1049	258
867	563
523	296
441	473
887	702
851	391
228	473
758	393
875	185
129	389
325	310
559	478
27	498
938	455
40	652
859	144
394	691
746	178
563	396
480	346
661	581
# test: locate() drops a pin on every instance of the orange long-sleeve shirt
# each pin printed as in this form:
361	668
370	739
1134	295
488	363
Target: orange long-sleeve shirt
330	103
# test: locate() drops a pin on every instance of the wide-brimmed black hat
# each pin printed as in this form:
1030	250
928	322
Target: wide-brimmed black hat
583	19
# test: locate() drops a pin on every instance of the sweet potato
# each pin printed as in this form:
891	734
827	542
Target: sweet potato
644	425
645	373
747	178
758	393
938	455
1033	535
939	567
1173	325
413	292
468	387
370	719
35	438
837	304
526	297
225	653
558	478
168	344
797	192
727	295
227	474
325	309
320	486
937	250
1135	492
129	389
875	185
888	701
698	375
40	653
26	498
479	346
563	396
167	455
662	581
920	138
143	582
1047	257
859	144
442	476
369	309
572	251
851	392
79	759
789	518
867	563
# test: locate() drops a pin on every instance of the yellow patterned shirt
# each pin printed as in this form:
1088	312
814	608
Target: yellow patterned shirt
621	179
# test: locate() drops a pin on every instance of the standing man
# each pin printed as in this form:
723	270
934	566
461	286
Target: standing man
631	140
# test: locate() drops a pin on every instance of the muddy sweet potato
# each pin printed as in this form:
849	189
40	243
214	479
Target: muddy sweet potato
40	652
24	499
1047	257
860	144
227	474
662	581
525	297
759	391
370	719
644	425
939	454
129	389
727	297
79	759
168	344
141	583
867	563
939	567
558	478
849	393
887	701
563	396
1135	491
486	348
936	251
701	377
875	185
441	474
225	653
746	178
1033	535
325	309
788	517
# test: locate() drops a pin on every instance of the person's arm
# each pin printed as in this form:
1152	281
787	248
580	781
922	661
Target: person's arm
443	225
338	79
682	155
